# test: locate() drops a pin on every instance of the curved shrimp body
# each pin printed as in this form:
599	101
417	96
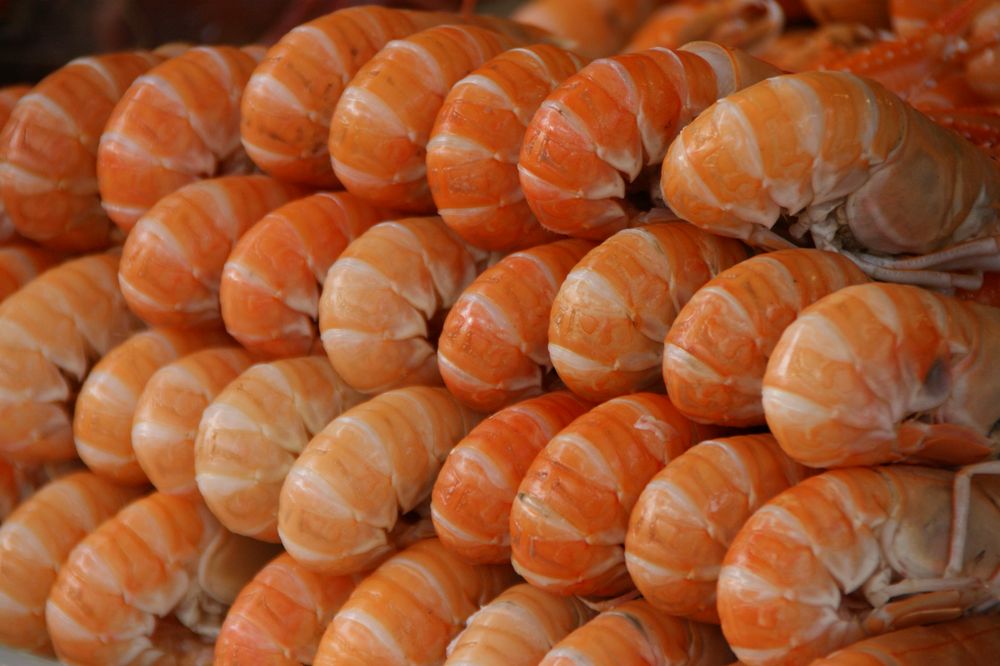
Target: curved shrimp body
173	259
689	513
873	13
473	493
9	96
718	346
637	633
34	542
378	460
253	431
473	148
881	373
971	641
271	282
20	264
742	24
493	348
280	616
52	331
847	174
410	608
613	310
384	294
169	411
854	553
178	123
160	556
102	418
598	131
594	28
48	175
380	129
568	520
517	628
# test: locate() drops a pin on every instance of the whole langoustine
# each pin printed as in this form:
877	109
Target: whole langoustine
253	431
612	121
173	259
854	553
612	312
409	609
9	96
291	96
49	151
971	641
477	484
169	411
517	628
846	176
493	348
474	146
595	28
569	518
717	349
21	263
384	297
382	123
345	494
879	373
635	632
106	403
280	616
36	539
750	25
689	513
176	124
270	287
151	583
52	331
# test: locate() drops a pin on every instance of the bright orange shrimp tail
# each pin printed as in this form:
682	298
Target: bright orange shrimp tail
944	443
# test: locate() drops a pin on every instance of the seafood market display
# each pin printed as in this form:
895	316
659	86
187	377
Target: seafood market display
603	333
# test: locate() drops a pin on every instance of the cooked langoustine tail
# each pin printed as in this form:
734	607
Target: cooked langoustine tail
635	632
161	558
517	628
102	418
271	282
612	312
290	98
342	501
280	616
854	553
493	348
253	431
173	258
383	121
20	263
52	331
880	373
971	641
717	349
606	125
385	297
177	123
9	95
570	515
473	492
750	25
474	146
847	176
410	608
36	539
595	28
689	513
49	151
169	411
